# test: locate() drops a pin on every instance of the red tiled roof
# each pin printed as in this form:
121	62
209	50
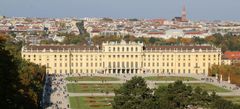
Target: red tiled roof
232	55
180	48
156	33
61	47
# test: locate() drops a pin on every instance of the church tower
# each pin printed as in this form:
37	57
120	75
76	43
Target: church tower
184	14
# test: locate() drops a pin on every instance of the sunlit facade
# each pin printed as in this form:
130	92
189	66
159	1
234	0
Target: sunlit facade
123	58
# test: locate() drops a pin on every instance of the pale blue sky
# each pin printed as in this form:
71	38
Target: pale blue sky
196	9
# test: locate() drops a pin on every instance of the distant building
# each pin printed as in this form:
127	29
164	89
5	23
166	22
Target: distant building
183	17
58	38
231	57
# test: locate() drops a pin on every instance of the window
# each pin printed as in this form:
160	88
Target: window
65	64
109	64
123	64
76	64
114	65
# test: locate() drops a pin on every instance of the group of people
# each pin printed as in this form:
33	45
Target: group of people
55	93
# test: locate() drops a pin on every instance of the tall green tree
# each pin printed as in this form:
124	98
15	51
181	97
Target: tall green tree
21	81
133	94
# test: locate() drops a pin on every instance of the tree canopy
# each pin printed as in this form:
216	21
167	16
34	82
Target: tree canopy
21	81
134	94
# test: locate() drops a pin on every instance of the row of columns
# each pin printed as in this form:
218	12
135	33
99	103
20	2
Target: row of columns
221	78
121	71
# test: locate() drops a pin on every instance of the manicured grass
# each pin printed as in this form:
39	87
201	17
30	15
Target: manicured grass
204	86
91	87
170	78
91	102
91	78
234	99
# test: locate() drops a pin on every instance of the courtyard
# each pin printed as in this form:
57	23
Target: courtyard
91	102
91	87
169	78
97	91
91	78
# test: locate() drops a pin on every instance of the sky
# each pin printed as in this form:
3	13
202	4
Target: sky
147	9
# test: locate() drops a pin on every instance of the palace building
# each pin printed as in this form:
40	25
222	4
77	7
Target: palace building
123	58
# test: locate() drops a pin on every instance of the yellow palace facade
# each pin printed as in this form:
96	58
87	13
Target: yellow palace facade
123	58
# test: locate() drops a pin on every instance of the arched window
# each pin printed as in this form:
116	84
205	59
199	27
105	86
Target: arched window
114	49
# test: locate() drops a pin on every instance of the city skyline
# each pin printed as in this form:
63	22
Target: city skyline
196	10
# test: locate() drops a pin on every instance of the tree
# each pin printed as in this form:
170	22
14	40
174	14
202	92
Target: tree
179	95
171	41
9	93
134	94
186	41
21	81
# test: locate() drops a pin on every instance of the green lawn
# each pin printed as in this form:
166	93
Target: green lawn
91	102
91	78
234	99
204	86
170	78
91	87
